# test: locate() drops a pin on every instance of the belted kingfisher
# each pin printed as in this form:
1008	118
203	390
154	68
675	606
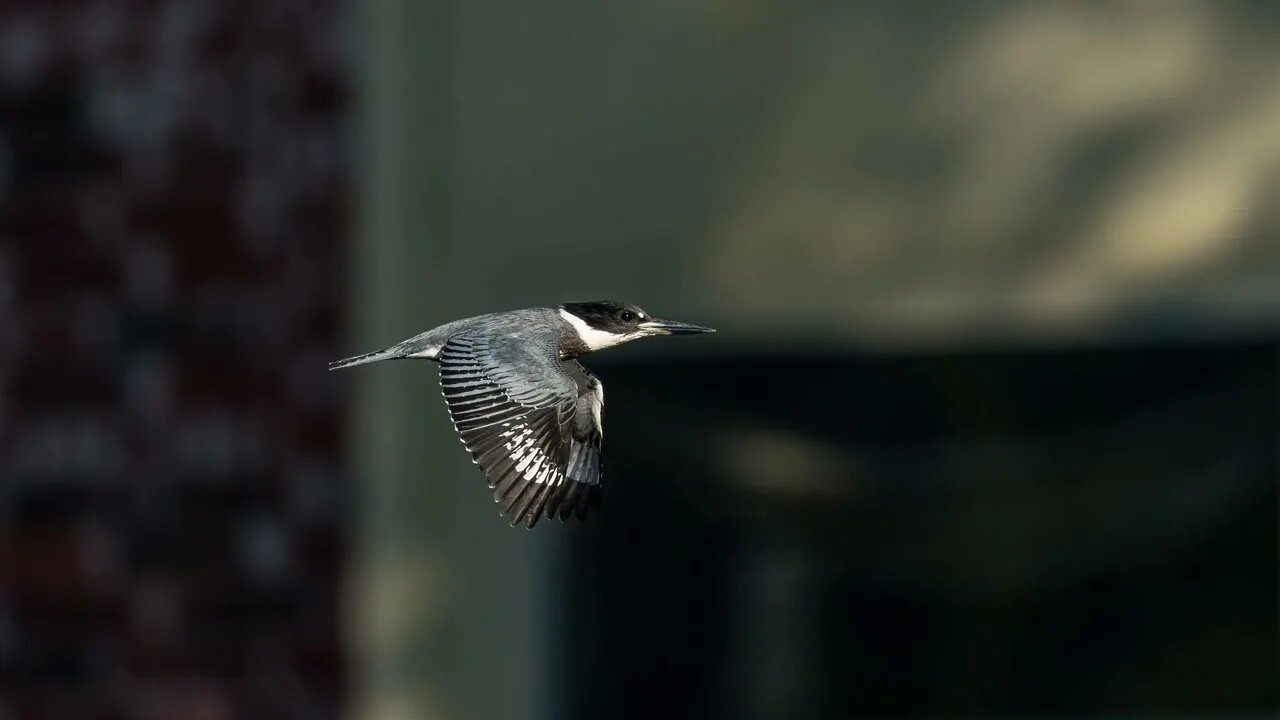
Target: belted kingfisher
527	411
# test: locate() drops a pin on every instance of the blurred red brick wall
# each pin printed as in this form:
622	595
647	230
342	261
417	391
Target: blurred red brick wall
173	217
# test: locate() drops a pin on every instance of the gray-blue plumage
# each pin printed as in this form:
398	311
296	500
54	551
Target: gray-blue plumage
527	411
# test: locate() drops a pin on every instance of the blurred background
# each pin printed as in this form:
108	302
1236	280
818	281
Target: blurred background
989	429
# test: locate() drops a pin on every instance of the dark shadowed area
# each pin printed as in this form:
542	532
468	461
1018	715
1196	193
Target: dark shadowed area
990	428
1044	530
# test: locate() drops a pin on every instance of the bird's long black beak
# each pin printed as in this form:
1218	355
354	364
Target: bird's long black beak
671	327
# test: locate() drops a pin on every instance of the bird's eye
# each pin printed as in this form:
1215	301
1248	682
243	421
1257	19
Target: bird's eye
627	316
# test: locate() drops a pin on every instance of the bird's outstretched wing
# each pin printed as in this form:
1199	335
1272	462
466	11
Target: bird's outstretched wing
582	491
514	407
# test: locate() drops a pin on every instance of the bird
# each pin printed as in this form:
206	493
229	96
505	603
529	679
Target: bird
525	408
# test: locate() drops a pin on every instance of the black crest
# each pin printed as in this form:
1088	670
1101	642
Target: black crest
608	315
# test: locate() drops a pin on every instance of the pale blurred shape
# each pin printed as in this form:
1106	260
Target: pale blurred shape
402	704
776	461
1023	94
1043	170
1189	204
410	590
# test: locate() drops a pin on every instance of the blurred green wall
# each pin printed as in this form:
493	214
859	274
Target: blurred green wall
895	173
439	591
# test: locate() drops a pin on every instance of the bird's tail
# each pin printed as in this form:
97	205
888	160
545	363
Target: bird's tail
388	354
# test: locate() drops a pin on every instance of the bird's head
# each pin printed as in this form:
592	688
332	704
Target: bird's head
605	323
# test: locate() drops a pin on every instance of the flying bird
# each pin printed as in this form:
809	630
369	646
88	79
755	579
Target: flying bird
525	408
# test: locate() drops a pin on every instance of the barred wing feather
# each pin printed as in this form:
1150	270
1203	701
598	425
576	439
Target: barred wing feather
515	409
